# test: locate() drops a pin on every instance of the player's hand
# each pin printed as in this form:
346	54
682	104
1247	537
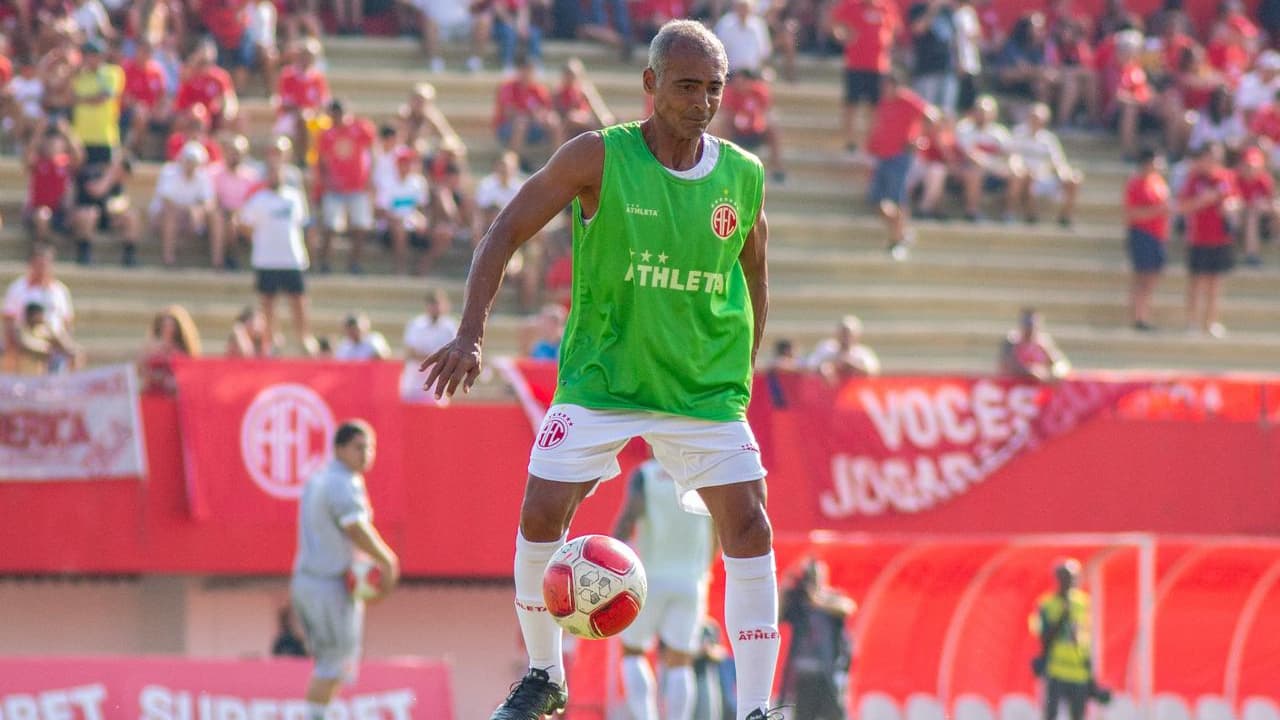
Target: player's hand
388	578
457	363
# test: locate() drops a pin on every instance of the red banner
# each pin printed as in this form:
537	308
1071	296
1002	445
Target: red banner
74	426
180	689
253	432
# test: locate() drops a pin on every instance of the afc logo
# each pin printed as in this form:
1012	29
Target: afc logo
284	438
554	430
724	220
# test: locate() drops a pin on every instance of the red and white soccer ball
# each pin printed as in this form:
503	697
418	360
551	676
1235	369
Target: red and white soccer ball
594	586
364	579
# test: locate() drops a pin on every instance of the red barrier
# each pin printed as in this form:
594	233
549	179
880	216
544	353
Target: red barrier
451	507
173	688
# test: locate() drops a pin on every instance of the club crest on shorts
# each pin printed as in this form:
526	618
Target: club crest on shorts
724	220
554	430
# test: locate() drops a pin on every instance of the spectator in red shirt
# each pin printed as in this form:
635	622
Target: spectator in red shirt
1030	353
1210	202
345	174
228	22
51	162
1134	97
1264	130
901	117
1146	210
523	113
207	85
301	92
867	29
146	105
938	158
746	117
650	15
1258	197
578	103
192	124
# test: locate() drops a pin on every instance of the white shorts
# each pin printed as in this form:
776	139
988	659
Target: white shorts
577	444
347	210
333	622
451	16
672	611
1046	186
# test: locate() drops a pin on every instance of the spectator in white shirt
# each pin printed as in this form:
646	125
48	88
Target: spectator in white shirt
1048	173
263	18
844	356
497	189
745	36
401	205
185	200
359	342
25	96
423	335
989	159
233	181
38	286
92	20
384	155
431	330
274	218
1259	87
1218	123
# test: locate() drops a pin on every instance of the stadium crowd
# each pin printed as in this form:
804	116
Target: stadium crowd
91	88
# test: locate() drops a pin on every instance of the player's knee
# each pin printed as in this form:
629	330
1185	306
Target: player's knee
747	535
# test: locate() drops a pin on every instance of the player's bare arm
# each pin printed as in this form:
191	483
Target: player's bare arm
756	270
366	537
574	171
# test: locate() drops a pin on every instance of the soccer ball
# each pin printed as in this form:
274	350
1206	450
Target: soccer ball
594	586
364	579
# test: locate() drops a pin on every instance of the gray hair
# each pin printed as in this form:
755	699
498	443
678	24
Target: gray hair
690	33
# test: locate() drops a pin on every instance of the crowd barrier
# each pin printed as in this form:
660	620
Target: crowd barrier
225	460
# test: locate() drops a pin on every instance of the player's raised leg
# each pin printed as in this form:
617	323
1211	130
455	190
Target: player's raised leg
544	521
751	589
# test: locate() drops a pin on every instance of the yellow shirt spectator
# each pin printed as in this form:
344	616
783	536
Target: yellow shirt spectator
1069	650
96	121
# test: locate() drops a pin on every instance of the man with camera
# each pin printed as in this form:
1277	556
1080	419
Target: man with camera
1062	622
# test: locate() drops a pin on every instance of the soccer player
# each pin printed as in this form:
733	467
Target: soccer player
676	548
669	304
335	520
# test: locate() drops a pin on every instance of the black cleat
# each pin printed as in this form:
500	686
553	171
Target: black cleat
763	714
533	698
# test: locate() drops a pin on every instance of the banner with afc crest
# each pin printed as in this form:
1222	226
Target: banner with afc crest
74	426
254	431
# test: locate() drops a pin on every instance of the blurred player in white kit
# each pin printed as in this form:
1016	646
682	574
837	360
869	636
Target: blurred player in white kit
677	548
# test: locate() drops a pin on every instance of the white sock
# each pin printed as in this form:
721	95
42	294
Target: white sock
751	621
638	686
315	711
542	636
677	692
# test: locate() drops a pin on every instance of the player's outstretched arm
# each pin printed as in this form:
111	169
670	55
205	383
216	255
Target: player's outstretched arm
574	169
756	271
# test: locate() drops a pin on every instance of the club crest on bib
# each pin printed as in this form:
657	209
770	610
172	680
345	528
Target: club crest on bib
724	216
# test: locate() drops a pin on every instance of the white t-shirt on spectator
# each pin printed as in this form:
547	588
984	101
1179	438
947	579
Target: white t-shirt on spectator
277	218
52	296
968	39
746	44
1230	131
1041	150
492	194
174	185
90	18
423	336
402	196
990	142
28	94
829	351
1253	93
262	23
384	165
370	347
